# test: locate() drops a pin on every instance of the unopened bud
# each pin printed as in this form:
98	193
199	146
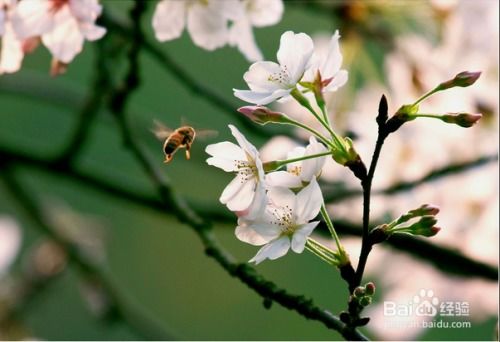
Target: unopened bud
462	119
358	292
370	289
262	115
403	115
463	79
424	210
365	301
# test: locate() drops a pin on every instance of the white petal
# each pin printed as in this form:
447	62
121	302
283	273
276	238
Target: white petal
312	167
207	27
229	9
258	205
169	19
85	10
309	201
239	194
244	143
11	52
333	59
91	31
241	35
295	53
265	12
300	236
338	81
248	235
283	179
65	41
282	197
257	76
260	98
224	155
272	250
32	18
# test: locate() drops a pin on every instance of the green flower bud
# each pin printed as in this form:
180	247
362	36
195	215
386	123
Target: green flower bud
370	289
462	119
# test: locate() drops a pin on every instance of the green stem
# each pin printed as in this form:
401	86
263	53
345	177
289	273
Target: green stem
304	102
426	95
421	115
331	228
312	130
321	252
280	163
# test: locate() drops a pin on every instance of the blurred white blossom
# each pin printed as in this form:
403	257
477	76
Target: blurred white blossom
11	48
258	13
63	25
10	242
205	20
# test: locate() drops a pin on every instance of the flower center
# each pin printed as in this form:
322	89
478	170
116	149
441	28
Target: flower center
246	170
283	218
281	77
295	170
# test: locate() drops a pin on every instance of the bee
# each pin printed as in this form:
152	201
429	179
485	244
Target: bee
182	137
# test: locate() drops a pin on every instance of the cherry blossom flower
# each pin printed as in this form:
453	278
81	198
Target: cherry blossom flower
258	13
284	224
246	187
302	172
11	51
328	63
63	25
206	21
269	81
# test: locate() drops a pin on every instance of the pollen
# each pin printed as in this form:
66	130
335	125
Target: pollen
281	77
283	218
296	170
246	170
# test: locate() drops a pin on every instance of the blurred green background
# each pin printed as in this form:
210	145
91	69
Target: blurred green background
157	263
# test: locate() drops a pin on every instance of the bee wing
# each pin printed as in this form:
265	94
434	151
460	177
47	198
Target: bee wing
161	131
205	134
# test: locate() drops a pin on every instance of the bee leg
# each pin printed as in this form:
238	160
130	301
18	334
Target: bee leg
188	152
168	158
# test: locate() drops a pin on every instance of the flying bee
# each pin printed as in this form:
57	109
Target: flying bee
182	137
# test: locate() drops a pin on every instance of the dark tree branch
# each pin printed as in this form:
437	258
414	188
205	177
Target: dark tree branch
444	258
118	309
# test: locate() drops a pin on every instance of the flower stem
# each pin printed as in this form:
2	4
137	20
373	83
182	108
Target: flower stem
304	102
280	163
312	130
426	95
322	252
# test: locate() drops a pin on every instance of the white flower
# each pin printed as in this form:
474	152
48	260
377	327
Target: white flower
269	81
300	172
284	223
63	24
248	185
11	48
328	64
258	13
206	20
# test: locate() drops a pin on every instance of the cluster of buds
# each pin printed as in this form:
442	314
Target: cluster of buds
410	112
363	294
424	226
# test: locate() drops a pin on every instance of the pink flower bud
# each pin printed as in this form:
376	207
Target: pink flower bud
424	210
462	119
463	79
370	289
262	115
